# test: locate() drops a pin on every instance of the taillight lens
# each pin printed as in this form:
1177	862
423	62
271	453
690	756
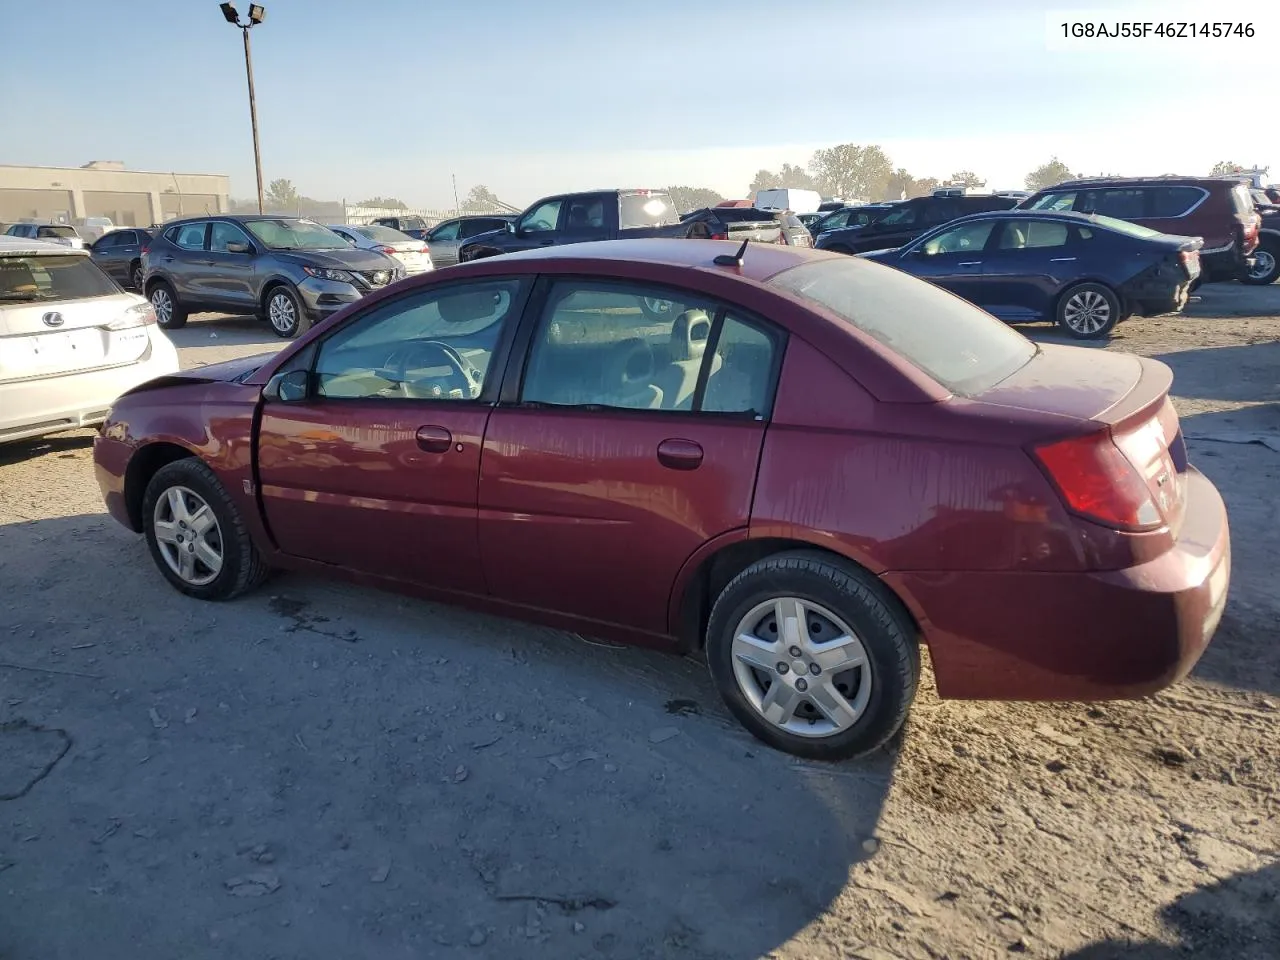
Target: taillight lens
136	316
1098	482
389	251
720	236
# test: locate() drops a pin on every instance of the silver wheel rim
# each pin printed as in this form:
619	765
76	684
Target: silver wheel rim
801	667
1263	263
188	535
162	303
281	312
657	306
1087	311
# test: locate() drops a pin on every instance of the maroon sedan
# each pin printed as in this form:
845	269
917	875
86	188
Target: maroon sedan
803	463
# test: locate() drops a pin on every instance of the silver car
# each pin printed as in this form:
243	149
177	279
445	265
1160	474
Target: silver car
412	254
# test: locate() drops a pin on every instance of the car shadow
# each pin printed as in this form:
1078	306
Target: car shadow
1236	919
218	332
1227	373
58	444
380	770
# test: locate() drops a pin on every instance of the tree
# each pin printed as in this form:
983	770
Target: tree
849	170
481	198
902	185
693	198
385	203
1225	168
1048	174
966	178
282	194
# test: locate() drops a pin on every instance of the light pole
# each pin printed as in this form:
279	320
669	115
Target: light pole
257	13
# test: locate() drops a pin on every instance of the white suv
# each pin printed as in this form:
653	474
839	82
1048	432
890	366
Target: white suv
62	233
71	340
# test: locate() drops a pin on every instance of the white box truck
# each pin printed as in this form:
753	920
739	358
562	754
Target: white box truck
797	201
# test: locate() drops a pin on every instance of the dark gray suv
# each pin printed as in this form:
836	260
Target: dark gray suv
288	271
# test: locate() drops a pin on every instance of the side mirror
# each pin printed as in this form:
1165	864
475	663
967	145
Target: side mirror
235	246
511	227
291	387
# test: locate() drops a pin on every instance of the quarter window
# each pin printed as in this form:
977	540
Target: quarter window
435	345
1174	201
628	347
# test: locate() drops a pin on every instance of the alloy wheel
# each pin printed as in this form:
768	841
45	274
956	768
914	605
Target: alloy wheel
162	303
188	535
1087	312
282	313
801	667
1264	262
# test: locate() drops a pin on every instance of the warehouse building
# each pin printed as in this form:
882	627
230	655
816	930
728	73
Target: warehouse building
104	188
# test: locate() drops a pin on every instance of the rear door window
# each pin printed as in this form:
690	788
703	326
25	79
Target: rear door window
190	236
1123	203
963	348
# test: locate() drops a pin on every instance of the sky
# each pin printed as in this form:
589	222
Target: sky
396	97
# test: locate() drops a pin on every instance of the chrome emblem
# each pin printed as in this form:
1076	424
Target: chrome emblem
52	319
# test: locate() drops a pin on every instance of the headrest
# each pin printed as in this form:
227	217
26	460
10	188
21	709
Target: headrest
689	335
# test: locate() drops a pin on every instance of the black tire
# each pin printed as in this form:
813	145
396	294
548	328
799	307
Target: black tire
170	314
283	310
877	618
1097	311
1266	264
135	274
242	566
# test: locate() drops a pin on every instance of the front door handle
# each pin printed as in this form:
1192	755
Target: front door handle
680	454
434	439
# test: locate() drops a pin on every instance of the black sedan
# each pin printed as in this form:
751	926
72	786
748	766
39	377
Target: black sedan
1085	273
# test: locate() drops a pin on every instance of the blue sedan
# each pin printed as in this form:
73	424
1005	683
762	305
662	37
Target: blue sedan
1085	273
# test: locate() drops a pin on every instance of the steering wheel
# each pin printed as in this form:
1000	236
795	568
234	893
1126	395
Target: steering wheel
463	375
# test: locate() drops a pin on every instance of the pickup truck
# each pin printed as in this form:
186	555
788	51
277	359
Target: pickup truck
580	217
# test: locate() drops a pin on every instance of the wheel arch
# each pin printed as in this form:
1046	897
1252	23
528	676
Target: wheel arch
710	569
276	280
143	465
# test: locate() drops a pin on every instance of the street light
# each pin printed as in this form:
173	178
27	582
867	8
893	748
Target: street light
257	13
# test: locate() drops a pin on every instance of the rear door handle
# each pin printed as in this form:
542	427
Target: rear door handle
680	454
1063	260
434	439
970	263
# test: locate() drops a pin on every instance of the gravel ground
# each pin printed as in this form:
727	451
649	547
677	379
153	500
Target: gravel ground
320	770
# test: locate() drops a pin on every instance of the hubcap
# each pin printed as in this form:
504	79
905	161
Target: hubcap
162	303
1263	263
281	313
188	535
1087	312
819	692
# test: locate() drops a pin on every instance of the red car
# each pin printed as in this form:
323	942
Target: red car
804	463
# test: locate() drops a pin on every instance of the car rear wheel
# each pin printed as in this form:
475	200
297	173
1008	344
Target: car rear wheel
170	315
1266	265
1088	311
196	535
812	656
285	313
135	275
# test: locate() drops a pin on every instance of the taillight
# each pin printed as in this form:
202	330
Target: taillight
389	251
1098	482
144	250
1188	258
425	249
719	236
136	316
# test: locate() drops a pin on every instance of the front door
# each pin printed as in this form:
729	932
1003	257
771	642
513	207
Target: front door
955	259
226	276
376	468
628	442
1026	266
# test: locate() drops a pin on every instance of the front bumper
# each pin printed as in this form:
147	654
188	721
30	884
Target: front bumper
320	298
1079	636
34	408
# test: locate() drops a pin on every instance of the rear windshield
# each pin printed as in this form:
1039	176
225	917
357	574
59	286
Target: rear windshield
743	214
57	231
35	278
963	348
1242	200
381	234
412	223
1124	226
646	210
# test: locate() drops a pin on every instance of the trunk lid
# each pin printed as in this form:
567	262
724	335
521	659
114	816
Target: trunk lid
49	338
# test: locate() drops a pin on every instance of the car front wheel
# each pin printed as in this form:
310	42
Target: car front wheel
285	313
1266	265
196	535
812	656
1088	311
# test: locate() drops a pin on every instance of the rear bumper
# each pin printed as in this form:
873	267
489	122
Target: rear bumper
34	408
1079	636
1228	263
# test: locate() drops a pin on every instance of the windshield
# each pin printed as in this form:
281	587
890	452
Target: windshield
381	234
963	348
35	278
646	210
295	235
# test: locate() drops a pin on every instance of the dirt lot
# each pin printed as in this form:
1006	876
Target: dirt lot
324	771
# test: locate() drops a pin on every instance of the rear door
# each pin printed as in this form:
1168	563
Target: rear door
1027	265
624	443
585	217
375	468
181	259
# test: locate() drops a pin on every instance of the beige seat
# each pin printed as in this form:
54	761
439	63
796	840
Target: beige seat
679	378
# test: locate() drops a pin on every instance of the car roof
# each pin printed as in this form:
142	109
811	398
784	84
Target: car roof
17	246
1168	181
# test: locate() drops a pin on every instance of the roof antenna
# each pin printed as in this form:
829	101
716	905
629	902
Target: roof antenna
732	259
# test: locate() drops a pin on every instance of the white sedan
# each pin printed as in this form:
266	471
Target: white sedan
412	254
71	340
